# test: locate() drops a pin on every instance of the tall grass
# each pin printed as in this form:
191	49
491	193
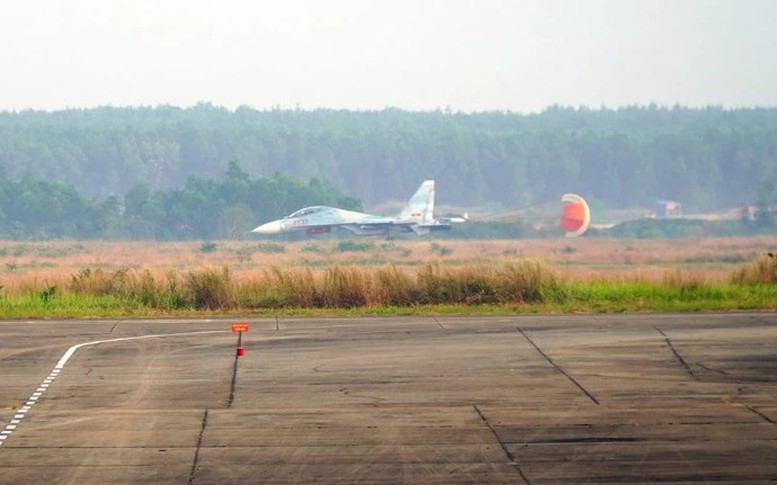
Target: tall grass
513	284
209	289
338	286
298	286
345	287
392	286
205	289
762	269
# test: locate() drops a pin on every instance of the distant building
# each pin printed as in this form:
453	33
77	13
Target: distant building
667	208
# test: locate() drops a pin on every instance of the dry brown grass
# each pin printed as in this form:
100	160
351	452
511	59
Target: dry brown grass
24	266
763	269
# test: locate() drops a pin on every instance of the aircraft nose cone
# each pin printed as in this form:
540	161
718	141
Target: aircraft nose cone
273	227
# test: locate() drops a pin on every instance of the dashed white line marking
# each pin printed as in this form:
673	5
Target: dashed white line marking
61	363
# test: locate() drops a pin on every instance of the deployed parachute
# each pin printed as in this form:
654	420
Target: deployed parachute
576	217
542	218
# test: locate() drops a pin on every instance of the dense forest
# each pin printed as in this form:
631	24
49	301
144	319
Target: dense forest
708	159
208	172
204	208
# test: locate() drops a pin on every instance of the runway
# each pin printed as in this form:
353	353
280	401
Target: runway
421	399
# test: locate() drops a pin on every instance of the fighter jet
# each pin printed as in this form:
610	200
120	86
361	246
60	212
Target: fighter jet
417	217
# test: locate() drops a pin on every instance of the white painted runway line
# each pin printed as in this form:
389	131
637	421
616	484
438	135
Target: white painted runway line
22	412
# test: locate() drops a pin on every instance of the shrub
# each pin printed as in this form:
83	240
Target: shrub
441	250
47	294
273	299
210	289
261	292
527	281
100	282
313	248
270	248
478	286
174	292
208	247
762	269
146	289
391	246
435	285
680	279
244	253
299	286
353	245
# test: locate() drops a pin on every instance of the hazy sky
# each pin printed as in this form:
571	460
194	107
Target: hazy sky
466	55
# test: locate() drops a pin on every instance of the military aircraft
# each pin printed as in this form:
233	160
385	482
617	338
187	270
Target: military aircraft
417	217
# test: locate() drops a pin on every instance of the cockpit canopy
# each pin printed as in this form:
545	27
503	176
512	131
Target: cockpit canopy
307	211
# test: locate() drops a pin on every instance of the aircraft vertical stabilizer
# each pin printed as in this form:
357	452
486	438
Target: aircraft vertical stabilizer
420	207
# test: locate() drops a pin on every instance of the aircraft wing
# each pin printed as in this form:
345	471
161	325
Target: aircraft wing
370	225
320	219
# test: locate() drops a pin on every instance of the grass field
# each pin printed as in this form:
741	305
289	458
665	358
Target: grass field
69	278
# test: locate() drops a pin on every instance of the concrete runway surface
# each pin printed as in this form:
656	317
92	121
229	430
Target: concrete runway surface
421	399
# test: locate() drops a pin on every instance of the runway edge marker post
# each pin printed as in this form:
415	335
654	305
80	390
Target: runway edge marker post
240	328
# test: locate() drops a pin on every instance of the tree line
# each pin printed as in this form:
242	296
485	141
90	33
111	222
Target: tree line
204	208
228	207
707	159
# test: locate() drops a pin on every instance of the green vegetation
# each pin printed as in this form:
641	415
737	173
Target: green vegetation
43	251
208	247
441	250
244	254
763	270
204	172
33	208
355	245
681	227
347	245
511	286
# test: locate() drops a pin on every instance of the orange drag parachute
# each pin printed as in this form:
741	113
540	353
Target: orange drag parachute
576	217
